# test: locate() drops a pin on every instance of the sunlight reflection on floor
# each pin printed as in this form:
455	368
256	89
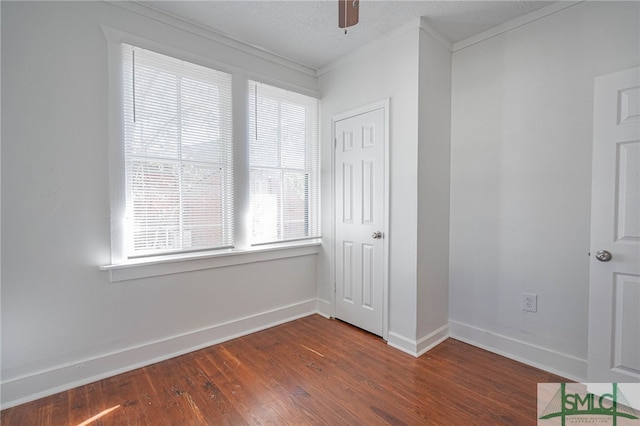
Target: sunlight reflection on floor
97	416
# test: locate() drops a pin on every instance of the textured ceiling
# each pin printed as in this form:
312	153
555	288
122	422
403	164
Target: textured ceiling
307	31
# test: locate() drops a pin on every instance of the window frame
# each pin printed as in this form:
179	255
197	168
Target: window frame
311	169
180	73
122	268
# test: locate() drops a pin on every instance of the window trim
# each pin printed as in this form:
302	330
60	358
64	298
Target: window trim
120	267
173	264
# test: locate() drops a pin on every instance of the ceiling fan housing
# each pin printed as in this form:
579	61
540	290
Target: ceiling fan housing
348	11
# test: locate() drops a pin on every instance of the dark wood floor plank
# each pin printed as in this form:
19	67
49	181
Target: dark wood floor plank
337	383
312	394
375	366
301	391
361	385
211	382
248	391
276	380
205	396
311	371
173	398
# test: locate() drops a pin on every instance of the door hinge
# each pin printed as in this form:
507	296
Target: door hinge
335	143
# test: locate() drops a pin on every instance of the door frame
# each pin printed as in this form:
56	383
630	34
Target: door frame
383	104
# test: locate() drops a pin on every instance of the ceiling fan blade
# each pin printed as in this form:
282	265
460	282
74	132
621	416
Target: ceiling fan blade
348	11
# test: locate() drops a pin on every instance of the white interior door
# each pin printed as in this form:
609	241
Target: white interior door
614	290
359	170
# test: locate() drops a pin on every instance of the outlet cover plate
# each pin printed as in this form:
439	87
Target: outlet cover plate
529	302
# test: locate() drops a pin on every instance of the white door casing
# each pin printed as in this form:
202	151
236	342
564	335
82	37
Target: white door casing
614	288
360	217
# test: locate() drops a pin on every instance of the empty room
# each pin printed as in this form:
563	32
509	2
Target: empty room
187	236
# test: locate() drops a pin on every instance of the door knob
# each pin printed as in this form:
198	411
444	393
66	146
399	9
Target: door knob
603	256
377	235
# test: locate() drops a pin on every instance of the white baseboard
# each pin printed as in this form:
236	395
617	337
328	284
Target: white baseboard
324	308
36	385
418	347
561	364
60	378
432	340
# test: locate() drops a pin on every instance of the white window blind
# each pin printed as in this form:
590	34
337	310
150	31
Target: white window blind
178	155
284	164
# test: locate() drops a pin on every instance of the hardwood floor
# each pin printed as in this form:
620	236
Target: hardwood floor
309	371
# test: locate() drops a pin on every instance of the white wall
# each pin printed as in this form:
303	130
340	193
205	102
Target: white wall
522	106
433	190
412	69
520	193
63	321
389	70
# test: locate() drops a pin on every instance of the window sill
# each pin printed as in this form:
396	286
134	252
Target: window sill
174	264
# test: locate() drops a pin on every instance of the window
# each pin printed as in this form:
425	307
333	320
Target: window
182	190
178	155
284	166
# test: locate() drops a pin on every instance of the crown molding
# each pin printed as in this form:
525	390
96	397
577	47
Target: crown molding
371	46
514	24
419	23
166	18
435	34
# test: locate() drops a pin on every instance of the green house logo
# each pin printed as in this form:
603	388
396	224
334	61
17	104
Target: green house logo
580	406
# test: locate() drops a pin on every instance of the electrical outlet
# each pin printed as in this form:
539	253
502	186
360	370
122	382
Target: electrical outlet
529	302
